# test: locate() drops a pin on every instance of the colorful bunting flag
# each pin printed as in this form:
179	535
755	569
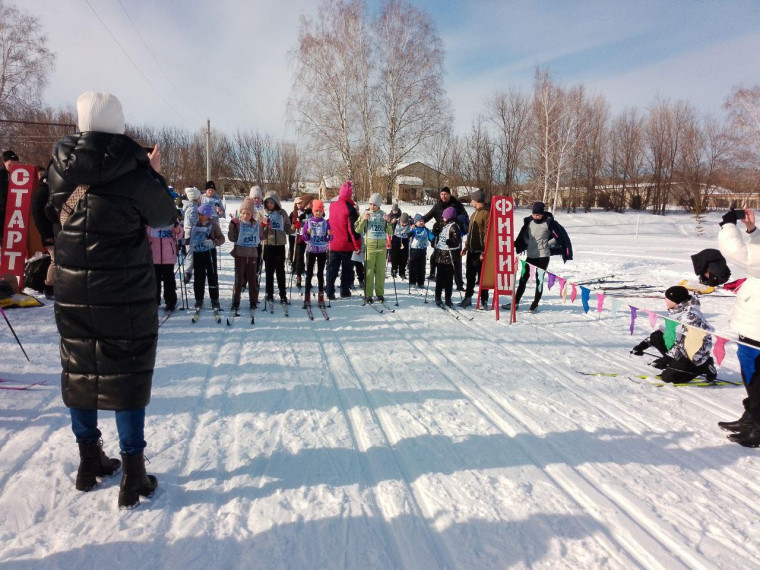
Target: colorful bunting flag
562	291
585	295
573	293
616	304
652	318
670	332
693	341
532	272
522	267
600	303
552	278
541	274
633	316
720	349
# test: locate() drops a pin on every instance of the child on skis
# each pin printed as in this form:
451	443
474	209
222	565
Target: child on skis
245	233
277	227
316	234
298	217
205	236
400	246
420	238
189	218
448	241
211	197
164	247
676	364
376	227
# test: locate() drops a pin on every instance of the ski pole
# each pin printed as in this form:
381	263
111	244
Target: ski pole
427	286
14	334
394	287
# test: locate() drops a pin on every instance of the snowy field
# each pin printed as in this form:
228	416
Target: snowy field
402	440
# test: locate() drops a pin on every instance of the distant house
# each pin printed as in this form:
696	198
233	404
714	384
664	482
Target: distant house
414	181
308	187
329	187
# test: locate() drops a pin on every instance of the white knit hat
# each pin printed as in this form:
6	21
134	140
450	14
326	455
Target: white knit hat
192	193
376	199
255	192
97	111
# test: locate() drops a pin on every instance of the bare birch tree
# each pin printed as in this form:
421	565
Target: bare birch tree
627	159
511	114
412	104
25	61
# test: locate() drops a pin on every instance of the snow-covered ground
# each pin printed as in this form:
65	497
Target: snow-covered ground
401	440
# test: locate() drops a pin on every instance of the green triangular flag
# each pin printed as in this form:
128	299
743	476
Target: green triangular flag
670	333
523	267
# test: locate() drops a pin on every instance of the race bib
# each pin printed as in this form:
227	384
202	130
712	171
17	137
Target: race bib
198	235
166	232
376	226
318	234
249	235
276	222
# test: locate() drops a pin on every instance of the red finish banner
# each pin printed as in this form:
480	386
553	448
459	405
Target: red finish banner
22	184
499	260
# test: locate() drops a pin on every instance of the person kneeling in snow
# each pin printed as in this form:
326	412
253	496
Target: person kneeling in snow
676	364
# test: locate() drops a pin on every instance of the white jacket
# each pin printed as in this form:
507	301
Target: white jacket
745	318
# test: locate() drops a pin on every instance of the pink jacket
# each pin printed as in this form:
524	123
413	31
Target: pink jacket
163	243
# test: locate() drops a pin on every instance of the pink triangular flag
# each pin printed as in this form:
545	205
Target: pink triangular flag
720	349
652	318
562	282
532	270
600	303
573	293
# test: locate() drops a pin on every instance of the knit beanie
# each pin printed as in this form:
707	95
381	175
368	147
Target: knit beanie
192	193
347	190
478	196
417	218
206	210
449	213
210	184
446	189
376	199
247	204
256	192
317	205
97	111
538	208
678	294
9	155
404	218
395	207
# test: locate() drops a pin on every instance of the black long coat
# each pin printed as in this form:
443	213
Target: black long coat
105	291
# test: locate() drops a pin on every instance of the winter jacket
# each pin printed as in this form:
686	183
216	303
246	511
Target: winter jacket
163	243
402	232
561	241
375	231
246	241
105	287
447	241
278	224
297	220
745	318
343	216
437	212
315	235
476	232
190	217
689	313
215	201
41	220
420	238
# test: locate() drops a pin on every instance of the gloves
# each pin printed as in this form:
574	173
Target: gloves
663	362
297	225
729	217
209	243
639	349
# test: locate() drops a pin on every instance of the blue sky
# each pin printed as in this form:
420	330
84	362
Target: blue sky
229	60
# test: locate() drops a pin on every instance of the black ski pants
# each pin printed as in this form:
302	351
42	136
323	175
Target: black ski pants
319	259
399	255
473	269
340	261
274	263
204	268
417	262
165	277
541	262
444	281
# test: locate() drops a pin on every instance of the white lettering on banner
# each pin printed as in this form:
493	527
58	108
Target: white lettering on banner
13	237
17	220
505	281
20	195
505	244
505	263
21	178
12	255
503	206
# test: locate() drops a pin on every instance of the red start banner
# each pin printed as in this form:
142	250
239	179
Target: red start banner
499	260
22	184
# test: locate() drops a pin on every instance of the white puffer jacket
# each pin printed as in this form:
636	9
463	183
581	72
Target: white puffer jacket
745	318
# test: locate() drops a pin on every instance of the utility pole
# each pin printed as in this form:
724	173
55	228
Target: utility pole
208	149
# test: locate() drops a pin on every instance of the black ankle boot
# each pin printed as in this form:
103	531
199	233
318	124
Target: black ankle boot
93	463
748	438
134	481
744	423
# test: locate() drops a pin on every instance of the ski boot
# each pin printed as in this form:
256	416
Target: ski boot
466	302
307	301
380	299
321	299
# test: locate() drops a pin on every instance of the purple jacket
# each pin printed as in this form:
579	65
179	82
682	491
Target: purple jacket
317	241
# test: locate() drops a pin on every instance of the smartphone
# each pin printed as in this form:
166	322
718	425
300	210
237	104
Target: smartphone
740	214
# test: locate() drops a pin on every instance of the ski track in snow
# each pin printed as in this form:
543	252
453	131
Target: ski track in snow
401	440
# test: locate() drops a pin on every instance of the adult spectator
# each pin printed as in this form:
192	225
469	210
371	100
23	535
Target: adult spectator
475	247
9	157
345	242
105	188
45	227
541	237
744	251
436	212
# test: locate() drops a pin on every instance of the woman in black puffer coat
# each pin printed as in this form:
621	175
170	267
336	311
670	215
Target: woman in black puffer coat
105	305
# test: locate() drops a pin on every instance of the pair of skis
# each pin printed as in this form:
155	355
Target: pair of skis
321	308
234	314
699	382
378	309
452	312
269	306
197	315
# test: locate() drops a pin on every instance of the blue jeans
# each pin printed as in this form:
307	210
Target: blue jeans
129	423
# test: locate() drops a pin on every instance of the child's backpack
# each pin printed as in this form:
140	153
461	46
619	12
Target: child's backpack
35	272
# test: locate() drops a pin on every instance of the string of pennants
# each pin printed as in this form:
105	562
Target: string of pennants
693	337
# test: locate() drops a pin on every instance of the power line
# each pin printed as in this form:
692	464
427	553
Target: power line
124	51
160	67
